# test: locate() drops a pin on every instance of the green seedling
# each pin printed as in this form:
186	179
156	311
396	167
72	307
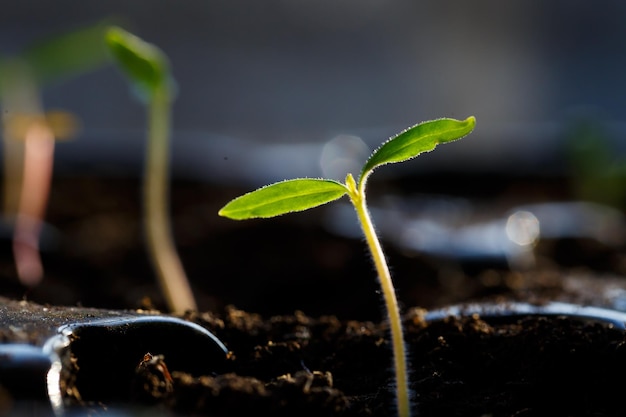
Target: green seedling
305	193
598	169
148	71
30	132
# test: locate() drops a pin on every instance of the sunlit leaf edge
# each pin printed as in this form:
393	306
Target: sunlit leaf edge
284	197
428	141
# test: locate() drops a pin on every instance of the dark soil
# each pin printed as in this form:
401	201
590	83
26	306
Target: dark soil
296	365
299	311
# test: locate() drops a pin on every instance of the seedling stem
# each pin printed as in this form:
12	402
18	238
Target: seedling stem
169	268
147	68
357	197
305	193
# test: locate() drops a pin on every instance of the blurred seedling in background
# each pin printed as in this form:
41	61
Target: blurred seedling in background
30	132
147	69
598	167
305	193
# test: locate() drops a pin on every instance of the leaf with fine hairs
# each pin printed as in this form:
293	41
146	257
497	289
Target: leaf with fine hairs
415	140
284	197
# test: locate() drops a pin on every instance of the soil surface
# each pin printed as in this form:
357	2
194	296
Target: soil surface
299	313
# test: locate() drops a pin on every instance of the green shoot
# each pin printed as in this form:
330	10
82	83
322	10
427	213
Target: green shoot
147	68
30	132
69	54
305	193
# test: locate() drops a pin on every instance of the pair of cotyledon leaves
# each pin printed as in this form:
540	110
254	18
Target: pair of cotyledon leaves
148	68
305	193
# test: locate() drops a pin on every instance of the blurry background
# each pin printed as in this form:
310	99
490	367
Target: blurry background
282	88
305	71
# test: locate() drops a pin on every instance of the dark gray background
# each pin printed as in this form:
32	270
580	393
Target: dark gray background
299	72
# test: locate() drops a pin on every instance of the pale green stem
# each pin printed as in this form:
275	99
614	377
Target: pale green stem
170	272
357	196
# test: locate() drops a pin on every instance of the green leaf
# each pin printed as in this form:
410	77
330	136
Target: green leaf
68	54
145	64
422	137
283	197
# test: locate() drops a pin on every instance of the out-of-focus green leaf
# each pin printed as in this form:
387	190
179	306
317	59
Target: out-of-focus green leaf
146	66
68	54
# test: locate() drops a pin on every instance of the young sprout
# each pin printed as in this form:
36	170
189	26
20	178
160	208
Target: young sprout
147	68
305	193
30	133
29	141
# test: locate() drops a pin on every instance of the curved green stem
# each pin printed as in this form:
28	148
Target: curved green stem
357	197
161	248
